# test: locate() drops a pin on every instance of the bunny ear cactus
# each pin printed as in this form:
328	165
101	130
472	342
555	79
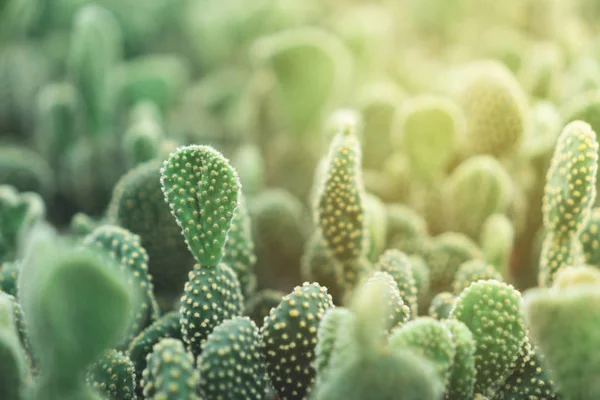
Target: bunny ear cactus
462	370
232	362
170	372
330	329
13	369
202	191
491	310
568	198
477	188
75	306
290	337
441	305
398	266
473	271
113	376
563	321
589	238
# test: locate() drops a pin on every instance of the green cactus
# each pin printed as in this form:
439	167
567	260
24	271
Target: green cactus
19	321
144	134
170	373
94	49
113	376
332	325
406	229
430	339
428	127
420	272
473	271
26	170
558	251
82	224
398	265
76	305
202	191
494	105
441	305
260	304
9	272
138	205
589	238
290	337
232	365
563	324
477	188
13	369
126	249
211	296
399	311
239	248
491	310
376	225
497	241
462	371
168	326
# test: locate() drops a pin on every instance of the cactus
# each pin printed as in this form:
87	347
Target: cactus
376	225
202	191
168	326
563	323
473	271
406	229
589	238
13	370
211	296
170	372
138	205
496	239
430	339
26	170
249	162
88	311
290	337
399	312
491	310
260	304
441	305
144	134
477	188
331	327
9	272
397	264
495	106
420	272
113	376
462	371
428	127
232	362
558	251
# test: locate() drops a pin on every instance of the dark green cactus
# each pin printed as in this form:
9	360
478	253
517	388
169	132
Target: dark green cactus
462	371
491	310
473	271
170	373
497	242
113	376
211	296
441	305
232	365
398	265
202	191
290	337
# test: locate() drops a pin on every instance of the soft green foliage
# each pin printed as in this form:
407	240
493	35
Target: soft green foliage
13	370
168	326
259	305
441	305
113	376
476	189
232	365
290	337
428	127
563	324
462	371
473	271
399	267
211	296
406	229
126	249
497	237
491	309
138	205
202	191
75	306
429	338
239	249
170	372
494	105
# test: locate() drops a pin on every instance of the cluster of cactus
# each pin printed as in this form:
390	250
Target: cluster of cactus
409	212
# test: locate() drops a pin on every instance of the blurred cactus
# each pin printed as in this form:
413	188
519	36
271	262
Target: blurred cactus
376	225
473	271
497	241
462	371
9	272
260	304
26	170
441	305
13	369
249	163
406	229
398	311
113	376
144	134
589	238
399	267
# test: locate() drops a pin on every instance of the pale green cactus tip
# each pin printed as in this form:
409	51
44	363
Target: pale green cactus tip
441	305
473	271
202	191
476	189
563	324
571	180
493	357
170	372
231	364
289	334
398	266
428	127
495	106
211	296
428	338
113	376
